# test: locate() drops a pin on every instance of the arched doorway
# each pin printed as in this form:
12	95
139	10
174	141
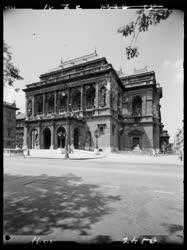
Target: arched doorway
47	138
61	135
34	139
76	138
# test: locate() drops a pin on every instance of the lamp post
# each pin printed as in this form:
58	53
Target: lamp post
67	139
28	114
96	133
67	125
60	134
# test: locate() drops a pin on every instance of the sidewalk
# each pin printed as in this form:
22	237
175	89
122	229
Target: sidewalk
110	157
76	155
166	159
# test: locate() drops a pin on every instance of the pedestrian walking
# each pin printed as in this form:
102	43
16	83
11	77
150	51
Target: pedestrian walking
153	152
72	148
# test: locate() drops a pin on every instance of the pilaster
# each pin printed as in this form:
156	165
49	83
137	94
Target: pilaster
97	95
44	103
33	106
52	137
55	100
82	98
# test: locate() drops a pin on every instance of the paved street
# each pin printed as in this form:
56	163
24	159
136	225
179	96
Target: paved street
91	200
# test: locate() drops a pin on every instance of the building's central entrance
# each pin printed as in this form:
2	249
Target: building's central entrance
135	142
47	138
61	133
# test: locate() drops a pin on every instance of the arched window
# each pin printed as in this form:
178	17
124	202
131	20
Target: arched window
137	106
76	100
102	99
90	98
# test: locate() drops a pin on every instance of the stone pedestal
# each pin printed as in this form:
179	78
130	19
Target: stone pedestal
96	151
137	149
60	150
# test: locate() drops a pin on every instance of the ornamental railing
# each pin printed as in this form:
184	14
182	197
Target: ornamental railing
69	76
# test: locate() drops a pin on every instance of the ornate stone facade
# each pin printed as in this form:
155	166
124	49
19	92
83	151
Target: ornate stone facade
88	96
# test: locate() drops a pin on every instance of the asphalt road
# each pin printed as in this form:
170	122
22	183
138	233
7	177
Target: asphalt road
91	200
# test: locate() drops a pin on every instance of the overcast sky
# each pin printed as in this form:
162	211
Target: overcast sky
39	38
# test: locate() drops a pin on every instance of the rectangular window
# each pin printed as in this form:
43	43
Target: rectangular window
101	128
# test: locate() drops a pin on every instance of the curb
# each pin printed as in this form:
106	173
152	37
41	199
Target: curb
86	158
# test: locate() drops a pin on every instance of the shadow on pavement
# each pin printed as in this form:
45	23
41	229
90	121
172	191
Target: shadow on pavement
36	205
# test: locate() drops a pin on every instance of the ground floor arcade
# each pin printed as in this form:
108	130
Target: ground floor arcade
79	133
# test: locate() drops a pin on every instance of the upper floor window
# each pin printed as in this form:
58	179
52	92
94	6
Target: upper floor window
38	104
50	102
137	106
9	116
9	132
62	101
76	100
101	128
90	98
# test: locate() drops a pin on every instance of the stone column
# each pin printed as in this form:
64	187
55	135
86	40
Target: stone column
108	93
97	95
25	146
33	106
68	99
39	136
82	98
144	106
52	137
55	99
43	103
149	105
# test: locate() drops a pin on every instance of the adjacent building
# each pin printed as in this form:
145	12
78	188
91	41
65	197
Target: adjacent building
9	125
86	97
178	145
164	139
20	123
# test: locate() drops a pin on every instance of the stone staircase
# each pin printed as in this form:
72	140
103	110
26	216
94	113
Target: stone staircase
58	153
48	153
133	153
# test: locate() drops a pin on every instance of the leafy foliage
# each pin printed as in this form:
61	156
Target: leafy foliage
10	72
132	52
145	18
